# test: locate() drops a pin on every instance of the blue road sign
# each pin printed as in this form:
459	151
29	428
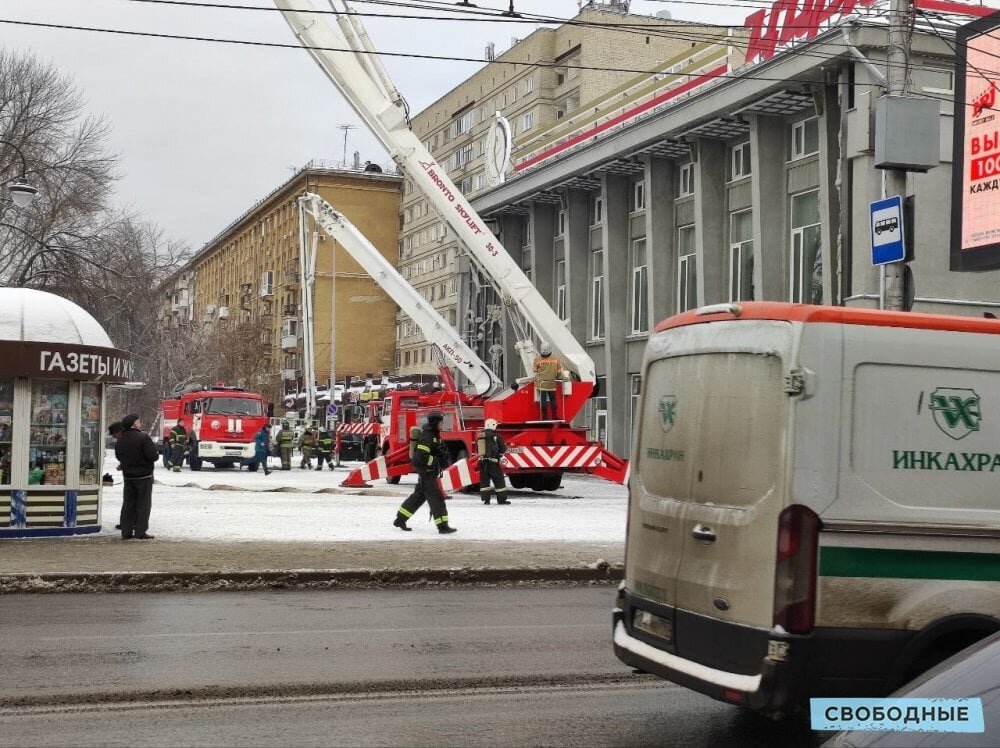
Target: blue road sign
331	409
887	231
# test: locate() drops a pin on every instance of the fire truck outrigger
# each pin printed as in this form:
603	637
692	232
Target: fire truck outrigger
539	451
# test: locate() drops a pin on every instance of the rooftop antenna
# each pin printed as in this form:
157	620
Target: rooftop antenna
346	129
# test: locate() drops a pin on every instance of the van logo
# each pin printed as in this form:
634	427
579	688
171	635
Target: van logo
956	411
668	412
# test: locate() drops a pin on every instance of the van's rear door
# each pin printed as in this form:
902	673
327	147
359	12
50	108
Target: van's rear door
715	430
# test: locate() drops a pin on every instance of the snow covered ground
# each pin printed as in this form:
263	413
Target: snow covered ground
306	505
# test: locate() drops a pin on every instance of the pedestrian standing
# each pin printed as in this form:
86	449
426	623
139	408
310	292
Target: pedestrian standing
324	450
491	448
307	443
285	440
178	445
262	447
430	456
114	431
137	455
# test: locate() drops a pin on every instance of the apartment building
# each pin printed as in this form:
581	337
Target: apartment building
540	81
249	275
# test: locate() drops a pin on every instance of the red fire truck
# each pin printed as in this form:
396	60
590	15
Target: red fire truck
220	421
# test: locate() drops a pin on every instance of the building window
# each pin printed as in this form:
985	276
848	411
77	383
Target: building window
406	359
805	138
596	209
638	195
741	256
597	295
561	289
482	147
462	156
739	161
687	272
480	180
462	124
639	288
482	114
600	411
685	180
561	222
529	84
527	121
806	262
465	186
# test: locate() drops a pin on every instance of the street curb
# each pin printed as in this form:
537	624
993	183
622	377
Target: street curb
215	581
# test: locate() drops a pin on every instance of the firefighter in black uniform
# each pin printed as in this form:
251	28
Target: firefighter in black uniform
491	448
430	457
324	450
285	440
178	441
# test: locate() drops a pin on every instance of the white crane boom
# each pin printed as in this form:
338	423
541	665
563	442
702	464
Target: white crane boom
366	87
436	331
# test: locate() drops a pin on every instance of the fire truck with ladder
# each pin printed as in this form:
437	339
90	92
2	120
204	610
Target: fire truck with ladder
539	451
220	422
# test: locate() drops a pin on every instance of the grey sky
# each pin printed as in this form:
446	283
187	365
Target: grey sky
205	130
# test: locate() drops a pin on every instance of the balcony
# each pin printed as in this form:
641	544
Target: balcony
289	342
290	311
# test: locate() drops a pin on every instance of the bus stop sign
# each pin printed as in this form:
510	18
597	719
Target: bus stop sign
888	244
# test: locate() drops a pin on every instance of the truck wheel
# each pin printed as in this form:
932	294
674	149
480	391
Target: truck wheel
225	464
194	462
549	482
518	481
394	480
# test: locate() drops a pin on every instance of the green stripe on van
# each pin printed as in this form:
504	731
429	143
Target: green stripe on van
900	564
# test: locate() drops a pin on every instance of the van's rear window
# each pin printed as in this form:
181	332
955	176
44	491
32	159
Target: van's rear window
712	427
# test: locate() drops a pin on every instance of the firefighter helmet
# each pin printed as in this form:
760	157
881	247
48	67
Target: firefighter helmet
545	349
491	423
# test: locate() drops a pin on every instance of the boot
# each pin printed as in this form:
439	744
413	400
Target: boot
400	522
486	499
502	500
444	529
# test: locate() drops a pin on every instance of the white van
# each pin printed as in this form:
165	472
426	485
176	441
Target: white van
814	503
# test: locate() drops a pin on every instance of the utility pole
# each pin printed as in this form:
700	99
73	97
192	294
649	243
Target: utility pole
894	182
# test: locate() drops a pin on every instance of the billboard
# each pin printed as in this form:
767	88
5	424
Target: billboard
975	216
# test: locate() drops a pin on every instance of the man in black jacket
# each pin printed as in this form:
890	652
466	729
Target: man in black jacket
137	455
429	458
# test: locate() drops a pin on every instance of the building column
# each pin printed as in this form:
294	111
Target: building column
661	236
543	223
829	194
576	245
710	223
615	240
770	248
512	236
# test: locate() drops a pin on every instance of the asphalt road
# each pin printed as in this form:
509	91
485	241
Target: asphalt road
482	666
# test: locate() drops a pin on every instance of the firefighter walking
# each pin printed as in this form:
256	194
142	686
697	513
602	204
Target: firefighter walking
491	448
324	450
285	441
307	443
430	456
178	441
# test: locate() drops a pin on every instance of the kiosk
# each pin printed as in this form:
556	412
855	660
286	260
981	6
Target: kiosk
55	362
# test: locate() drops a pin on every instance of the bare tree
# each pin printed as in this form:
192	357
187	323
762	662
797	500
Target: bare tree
49	141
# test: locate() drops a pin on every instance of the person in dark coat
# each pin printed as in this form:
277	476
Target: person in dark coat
261	447
430	457
137	455
491	448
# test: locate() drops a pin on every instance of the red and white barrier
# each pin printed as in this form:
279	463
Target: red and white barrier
543	457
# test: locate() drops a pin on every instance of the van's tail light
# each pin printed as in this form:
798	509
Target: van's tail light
795	571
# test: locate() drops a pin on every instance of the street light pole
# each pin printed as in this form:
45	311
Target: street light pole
20	191
346	129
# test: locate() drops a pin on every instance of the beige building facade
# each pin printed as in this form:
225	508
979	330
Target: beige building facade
248	279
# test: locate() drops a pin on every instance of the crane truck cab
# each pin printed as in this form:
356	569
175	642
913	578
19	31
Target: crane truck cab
813	505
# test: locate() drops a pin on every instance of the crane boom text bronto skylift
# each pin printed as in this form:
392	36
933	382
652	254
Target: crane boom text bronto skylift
433	326
349	61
